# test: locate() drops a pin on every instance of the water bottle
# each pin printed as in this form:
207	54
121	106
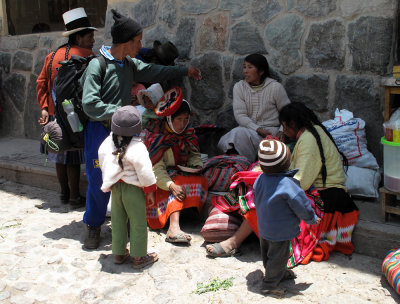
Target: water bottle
72	117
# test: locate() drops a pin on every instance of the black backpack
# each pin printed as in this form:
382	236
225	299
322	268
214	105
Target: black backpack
58	135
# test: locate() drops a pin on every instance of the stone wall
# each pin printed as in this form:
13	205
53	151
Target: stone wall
327	53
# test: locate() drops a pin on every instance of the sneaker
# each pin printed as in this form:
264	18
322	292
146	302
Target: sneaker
77	202
92	239
148	259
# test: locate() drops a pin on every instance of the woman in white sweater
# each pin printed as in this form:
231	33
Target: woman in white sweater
257	101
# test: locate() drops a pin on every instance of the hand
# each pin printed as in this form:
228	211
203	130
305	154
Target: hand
150	199
281	136
263	133
178	192
194	73
44	119
318	221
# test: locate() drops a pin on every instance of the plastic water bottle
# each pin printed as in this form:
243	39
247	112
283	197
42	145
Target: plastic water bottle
72	117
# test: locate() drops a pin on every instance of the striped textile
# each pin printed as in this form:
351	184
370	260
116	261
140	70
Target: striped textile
219	170
391	268
196	195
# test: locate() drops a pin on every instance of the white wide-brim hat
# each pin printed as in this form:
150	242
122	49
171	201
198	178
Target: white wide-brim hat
76	20
154	92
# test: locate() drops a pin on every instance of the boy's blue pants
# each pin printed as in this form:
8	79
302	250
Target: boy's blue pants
96	200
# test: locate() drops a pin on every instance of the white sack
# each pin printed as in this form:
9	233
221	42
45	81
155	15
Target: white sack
363	182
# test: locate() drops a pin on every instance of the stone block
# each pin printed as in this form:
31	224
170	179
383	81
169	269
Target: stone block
46	41
9	43
310	89
351	8
284	36
227	64
207	93
41	55
316	8
157	33
237	74
198	7
17	97
168	13
22	61
144	12
29	42
238	8
245	39
32	111
325	45
370	43
262	11
184	37
213	34
5	62
358	94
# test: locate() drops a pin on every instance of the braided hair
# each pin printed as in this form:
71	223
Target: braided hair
303	117
121	143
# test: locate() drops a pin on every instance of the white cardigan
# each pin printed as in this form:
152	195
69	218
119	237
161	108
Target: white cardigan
258	108
138	170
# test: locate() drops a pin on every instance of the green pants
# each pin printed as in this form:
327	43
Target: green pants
128	202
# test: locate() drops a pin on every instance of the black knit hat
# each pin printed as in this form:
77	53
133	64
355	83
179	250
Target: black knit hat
126	121
166	53
124	28
274	156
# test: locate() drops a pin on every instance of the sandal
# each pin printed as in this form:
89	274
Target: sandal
148	259
289	275
121	259
218	251
179	238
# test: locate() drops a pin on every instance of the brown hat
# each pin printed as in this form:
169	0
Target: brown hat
166	53
274	156
126	121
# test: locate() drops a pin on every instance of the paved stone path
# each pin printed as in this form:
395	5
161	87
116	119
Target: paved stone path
42	261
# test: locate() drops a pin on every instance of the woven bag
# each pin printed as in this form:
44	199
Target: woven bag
391	269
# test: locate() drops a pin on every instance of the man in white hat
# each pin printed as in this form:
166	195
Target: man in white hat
101	100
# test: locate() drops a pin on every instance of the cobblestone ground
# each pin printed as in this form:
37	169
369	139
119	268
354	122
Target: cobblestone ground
42	261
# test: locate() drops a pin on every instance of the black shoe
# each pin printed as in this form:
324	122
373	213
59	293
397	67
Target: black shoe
77	202
92	239
64	198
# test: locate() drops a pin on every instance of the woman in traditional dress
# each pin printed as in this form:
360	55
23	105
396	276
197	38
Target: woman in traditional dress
321	175
170	146
257	101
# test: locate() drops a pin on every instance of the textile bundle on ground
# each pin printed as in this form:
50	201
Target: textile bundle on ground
391	269
196	195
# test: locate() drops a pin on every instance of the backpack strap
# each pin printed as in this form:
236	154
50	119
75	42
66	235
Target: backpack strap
103	66
52	58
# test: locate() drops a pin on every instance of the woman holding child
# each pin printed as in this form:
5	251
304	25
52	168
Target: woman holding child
257	101
170	146
321	175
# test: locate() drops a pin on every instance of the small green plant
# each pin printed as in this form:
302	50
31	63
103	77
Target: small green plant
214	285
9	224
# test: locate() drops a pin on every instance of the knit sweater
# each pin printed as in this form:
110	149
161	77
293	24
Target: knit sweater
101	101
258	108
44	84
280	205
307	159
137	165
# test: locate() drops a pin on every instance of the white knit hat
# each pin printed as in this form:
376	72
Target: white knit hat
274	156
154	92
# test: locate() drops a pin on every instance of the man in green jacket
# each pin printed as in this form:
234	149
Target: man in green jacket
103	95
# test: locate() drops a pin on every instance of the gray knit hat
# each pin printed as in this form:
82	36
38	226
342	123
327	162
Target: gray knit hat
124	28
274	156
126	121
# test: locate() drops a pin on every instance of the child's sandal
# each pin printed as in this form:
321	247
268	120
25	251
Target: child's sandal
148	259
120	259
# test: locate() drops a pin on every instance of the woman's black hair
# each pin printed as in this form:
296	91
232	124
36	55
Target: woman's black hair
121	143
261	63
302	117
184	108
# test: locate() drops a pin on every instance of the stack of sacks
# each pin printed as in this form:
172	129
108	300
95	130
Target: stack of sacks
363	176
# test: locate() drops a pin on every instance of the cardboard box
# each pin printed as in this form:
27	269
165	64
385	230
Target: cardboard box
396	71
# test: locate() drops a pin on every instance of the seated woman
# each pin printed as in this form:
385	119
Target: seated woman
321	173
174	145
257	101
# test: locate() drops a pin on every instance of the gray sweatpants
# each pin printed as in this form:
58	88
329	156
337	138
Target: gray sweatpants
275	256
